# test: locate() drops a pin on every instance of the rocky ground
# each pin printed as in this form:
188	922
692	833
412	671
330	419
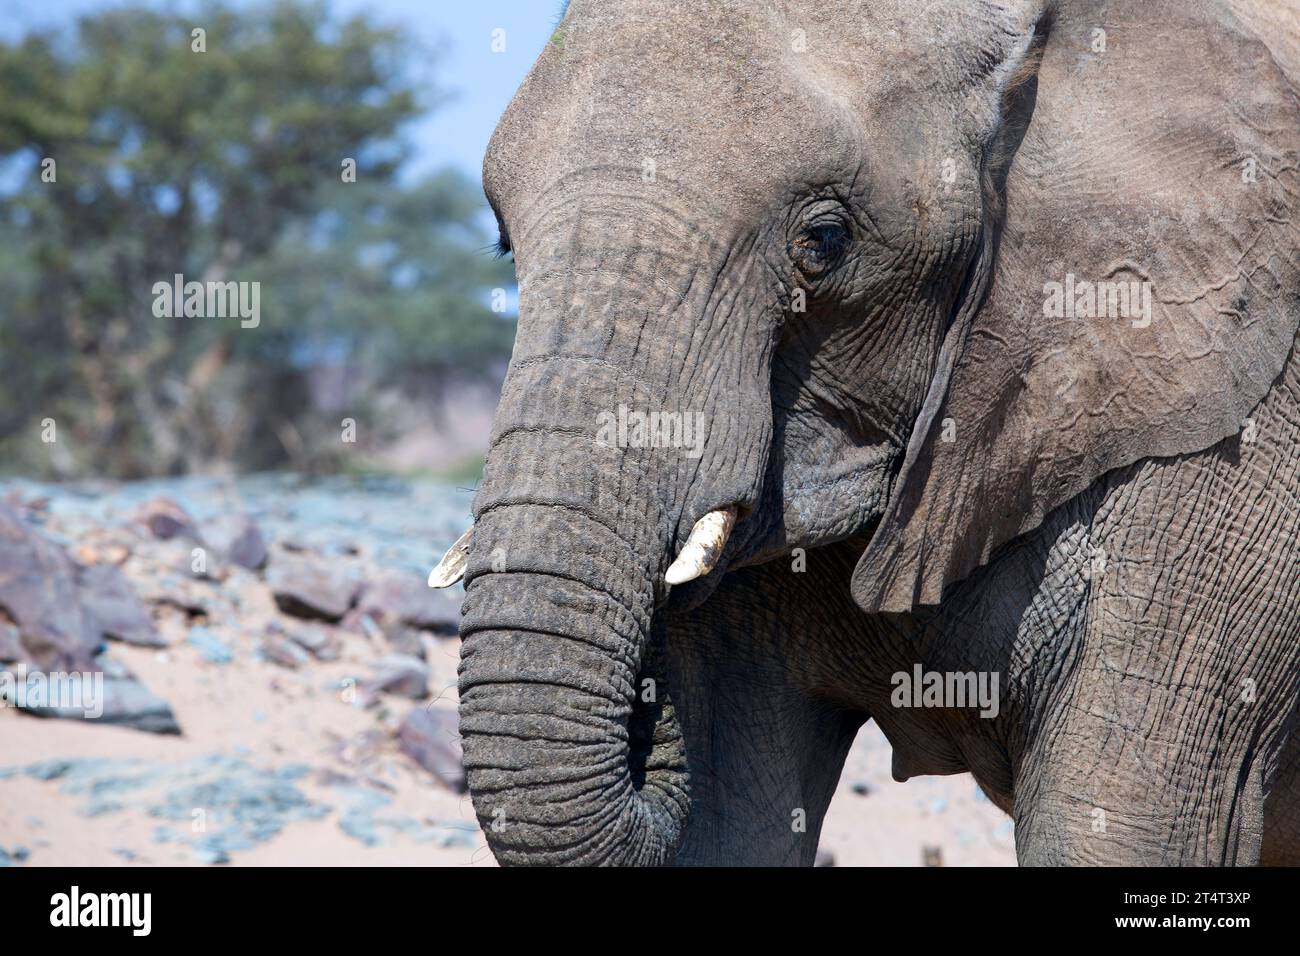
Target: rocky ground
280	687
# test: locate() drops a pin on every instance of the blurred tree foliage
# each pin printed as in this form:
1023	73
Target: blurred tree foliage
224	165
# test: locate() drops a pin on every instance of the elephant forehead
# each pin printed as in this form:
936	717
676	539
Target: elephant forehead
742	97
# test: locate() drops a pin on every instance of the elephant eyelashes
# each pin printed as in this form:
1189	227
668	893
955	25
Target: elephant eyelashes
819	247
501	248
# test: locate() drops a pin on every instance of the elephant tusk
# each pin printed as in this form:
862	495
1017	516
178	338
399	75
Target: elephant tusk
452	566
703	547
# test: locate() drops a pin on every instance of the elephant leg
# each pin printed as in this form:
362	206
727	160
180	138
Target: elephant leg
1159	745
764	747
1101	792
1148	635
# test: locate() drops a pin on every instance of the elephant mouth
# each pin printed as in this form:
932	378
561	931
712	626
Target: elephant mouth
844	503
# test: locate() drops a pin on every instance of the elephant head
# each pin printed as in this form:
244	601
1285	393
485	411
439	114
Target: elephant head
791	274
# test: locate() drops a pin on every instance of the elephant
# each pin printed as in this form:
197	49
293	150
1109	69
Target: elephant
867	343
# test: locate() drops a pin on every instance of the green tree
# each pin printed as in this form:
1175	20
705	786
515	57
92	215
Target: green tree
221	164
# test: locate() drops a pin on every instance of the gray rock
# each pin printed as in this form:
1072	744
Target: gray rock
393	597
243	805
318	642
281	650
213	648
165	519
366	816
51	769
39	595
61	614
309	587
405	640
11	648
358	622
191	560
357	817
211	852
431	737
238	539
111	667
185	595
126	703
400	675
113	609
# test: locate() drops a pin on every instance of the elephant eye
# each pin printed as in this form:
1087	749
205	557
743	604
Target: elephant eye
819	247
501	248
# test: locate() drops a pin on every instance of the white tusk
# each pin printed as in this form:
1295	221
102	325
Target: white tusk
703	547
452	566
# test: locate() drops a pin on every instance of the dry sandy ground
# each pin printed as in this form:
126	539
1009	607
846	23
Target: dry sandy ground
267	717
286	766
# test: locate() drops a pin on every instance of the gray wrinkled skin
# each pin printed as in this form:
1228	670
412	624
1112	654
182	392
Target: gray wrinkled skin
828	228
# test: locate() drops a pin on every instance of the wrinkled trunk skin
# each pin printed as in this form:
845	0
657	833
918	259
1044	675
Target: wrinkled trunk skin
571	746
566	763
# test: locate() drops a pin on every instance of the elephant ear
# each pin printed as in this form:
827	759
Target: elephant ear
1162	158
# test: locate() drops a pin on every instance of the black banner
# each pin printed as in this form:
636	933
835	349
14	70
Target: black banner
217	905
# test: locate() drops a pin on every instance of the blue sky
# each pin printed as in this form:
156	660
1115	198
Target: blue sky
480	81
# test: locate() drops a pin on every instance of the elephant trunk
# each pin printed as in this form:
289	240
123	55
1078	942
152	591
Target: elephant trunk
572	752
572	749
572	757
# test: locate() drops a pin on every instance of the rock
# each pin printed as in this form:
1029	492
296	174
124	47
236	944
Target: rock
113	609
400	675
431	737
185	595
213	649
11	648
861	789
40	596
322	645
243	805
407	598
166	519
308	587
211	852
281	650
128	703
111	668
357	818
405	640
124	702
358	622
195	561
932	856
237	538
824	858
